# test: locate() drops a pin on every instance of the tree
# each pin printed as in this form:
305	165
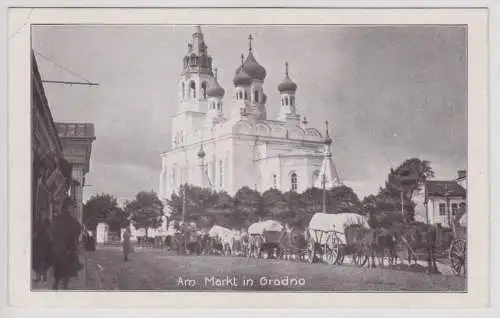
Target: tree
146	210
343	199
117	219
222	212
296	210
274	205
402	183
99	208
247	206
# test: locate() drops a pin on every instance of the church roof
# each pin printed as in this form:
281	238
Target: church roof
287	85
251	66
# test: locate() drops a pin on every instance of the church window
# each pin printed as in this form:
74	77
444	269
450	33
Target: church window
221	174
454	208
240	95
192	89
292	100
219	106
204	90
246	95
293	178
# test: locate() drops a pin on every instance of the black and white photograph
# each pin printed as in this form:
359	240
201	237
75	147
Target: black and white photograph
255	158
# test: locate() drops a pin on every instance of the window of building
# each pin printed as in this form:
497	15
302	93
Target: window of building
240	95
192	88
442	209
221	174
292	100
454	208
275	181
204	90
294	181
256	96
246	95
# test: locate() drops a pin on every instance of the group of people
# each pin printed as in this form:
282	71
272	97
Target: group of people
55	245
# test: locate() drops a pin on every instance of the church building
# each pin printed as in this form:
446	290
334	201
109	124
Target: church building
244	148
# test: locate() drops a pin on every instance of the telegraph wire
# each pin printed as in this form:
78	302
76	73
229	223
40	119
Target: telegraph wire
86	81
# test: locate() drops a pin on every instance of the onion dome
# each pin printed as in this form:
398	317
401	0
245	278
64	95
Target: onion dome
251	66
326	139
287	85
215	90
242	78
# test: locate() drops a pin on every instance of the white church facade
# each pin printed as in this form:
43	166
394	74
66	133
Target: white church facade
243	147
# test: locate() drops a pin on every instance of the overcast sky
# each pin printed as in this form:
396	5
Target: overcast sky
389	93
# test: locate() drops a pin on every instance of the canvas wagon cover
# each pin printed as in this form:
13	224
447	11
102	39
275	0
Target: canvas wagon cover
333	222
268	226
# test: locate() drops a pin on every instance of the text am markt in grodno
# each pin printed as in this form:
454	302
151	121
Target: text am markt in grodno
235	282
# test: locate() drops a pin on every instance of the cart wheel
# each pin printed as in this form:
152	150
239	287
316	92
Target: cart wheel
333	254
311	252
458	255
340	258
359	258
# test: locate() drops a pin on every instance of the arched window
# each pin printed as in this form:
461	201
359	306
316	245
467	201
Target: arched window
292	100
246	95
221	173
219	106
293	178
192	89
256	96
183	90
204	90
286	100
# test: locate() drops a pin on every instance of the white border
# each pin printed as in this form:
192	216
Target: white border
478	163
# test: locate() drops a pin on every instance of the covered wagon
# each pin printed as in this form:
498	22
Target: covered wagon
265	237
327	238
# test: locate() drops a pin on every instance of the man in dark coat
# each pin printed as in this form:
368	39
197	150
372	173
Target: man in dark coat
66	232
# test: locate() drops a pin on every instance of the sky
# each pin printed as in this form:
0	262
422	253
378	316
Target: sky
389	92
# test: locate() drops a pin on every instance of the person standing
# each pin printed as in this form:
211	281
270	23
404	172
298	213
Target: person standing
42	251
126	245
66	232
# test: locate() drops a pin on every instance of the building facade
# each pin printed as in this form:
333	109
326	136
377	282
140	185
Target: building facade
51	172
228	149
76	140
444	198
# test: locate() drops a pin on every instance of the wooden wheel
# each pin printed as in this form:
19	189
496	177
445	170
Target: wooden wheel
333	253
311	251
359	258
458	256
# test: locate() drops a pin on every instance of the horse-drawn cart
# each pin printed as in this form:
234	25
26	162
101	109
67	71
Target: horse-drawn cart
326	236
265	237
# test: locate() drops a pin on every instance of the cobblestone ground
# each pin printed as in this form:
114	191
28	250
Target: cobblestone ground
162	270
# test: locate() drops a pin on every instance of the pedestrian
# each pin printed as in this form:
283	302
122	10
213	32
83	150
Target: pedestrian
42	251
66	232
126	245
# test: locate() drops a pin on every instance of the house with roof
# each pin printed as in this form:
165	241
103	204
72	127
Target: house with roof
443	198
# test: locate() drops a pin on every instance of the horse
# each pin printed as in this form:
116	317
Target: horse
427	237
369	244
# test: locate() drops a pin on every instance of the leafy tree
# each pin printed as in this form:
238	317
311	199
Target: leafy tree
146	210
296	207
222	212
247	206
117	219
274	205
343	199
402	183
100	208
